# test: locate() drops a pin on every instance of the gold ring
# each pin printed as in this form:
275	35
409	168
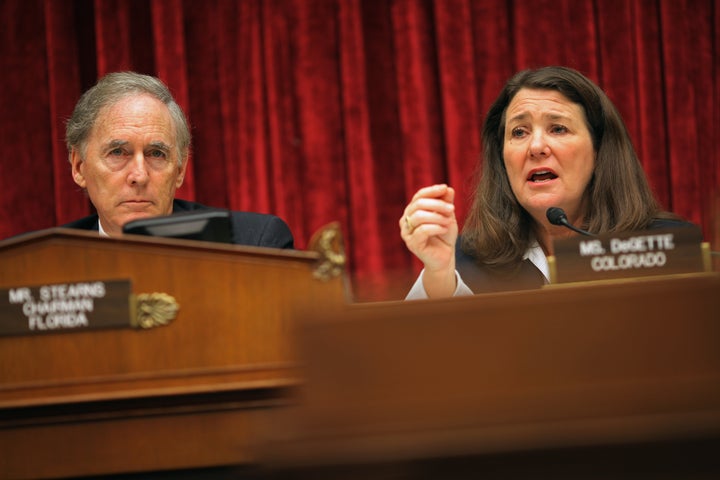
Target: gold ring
409	224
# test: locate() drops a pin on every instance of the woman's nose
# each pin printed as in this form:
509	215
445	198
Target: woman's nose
538	145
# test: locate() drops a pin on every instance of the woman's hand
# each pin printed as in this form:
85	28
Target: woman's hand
429	229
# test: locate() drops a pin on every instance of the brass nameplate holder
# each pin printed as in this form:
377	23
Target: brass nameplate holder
629	254
81	306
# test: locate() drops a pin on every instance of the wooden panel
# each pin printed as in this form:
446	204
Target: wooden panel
103	397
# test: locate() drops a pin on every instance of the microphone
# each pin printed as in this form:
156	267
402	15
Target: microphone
556	216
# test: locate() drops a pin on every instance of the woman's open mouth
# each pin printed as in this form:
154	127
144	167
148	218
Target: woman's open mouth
540	176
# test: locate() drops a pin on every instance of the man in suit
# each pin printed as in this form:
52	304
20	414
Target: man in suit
129	144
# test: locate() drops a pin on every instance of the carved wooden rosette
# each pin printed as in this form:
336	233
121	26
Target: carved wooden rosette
328	242
151	310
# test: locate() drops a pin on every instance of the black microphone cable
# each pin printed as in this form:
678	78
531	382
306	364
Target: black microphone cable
556	216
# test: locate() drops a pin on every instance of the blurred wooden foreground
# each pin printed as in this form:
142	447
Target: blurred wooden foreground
269	372
614	379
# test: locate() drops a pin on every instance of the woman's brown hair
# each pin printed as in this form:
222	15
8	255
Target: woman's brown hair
498	231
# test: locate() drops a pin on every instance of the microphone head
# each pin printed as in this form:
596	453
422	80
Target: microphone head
556	215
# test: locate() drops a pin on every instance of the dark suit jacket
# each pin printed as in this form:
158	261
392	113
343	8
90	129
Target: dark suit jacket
248	228
483	280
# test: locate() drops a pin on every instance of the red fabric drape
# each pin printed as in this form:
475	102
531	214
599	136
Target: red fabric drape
338	110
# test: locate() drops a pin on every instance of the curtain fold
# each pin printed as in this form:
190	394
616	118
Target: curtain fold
418	101
63	79
363	222
243	107
26	169
688	60
339	110
170	59
461	110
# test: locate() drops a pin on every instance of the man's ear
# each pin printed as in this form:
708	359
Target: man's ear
181	174
77	168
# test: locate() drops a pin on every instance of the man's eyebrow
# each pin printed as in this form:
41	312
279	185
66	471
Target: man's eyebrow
113	144
160	146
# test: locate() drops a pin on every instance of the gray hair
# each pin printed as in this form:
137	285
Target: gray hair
112	88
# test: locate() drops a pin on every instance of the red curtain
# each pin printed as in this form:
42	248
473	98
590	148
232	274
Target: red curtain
338	110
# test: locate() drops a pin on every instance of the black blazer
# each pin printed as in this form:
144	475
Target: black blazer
249	228
483	280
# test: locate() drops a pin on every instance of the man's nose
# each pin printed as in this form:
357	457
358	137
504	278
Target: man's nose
138	174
